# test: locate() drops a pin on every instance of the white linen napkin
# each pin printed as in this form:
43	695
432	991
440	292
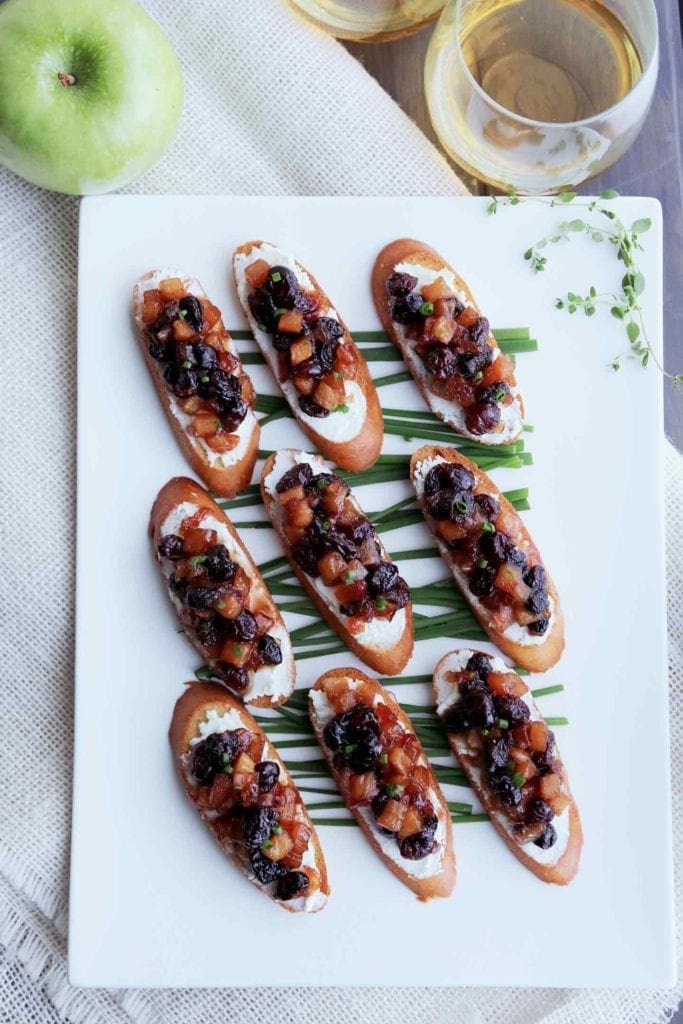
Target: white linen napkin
272	107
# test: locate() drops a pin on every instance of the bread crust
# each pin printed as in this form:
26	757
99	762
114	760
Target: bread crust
361	451
534	657
409	250
225	481
388	662
565	869
175	492
191	708
440	884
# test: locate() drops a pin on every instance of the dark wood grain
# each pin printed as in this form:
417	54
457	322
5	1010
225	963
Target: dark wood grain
653	166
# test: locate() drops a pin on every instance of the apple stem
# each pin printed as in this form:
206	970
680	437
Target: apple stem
66	79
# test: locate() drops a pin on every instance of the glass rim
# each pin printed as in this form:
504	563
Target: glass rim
562	125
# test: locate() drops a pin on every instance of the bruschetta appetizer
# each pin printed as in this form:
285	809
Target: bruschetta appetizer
196	370
237	781
491	555
311	354
339	558
511	759
431	316
385	779
221	600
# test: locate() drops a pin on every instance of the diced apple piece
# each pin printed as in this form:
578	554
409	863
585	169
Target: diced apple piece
300	350
204	424
313	880
538	736
451	531
196	541
229	606
212	314
293	533
438	289
298	512
442	329
326	396
331	566
349	593
506	684
559	803
400	760
291	322
182	331
502	369
151	311
527	833
509	580
362	788
292	492
468	316
248	392
549	786
171	288
223	442
412	823
236	653
243	763
256	273
334	496
392	816
277	847
523	764
304	385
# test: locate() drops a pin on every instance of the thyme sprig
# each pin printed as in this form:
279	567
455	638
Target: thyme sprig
625	304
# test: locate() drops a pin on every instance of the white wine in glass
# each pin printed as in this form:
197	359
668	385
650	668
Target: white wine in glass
539	95
369	20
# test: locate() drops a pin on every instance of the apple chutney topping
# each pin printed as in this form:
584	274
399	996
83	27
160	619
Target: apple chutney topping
310	347
331	539
452	340
218	603
251	805
515	753
381	764
502	567
185	335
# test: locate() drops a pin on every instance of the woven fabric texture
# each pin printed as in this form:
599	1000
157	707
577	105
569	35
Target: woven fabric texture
247	67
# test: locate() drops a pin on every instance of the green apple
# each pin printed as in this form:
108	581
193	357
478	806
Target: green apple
91	92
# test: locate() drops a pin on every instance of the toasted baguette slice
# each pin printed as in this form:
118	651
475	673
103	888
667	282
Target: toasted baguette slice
205	709
177	500
408	256
559	863
386	645
536	652
227	472
352	436
340	690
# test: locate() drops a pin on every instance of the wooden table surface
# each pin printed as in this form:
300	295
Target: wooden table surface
652	167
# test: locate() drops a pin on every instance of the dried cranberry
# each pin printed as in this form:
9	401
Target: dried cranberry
201	598
539	627
488	505
441	362
319	483
219	565
381	578
233	416
509	794
417	846
182	381
282	342
284	287
311	408
377	805
538	810
353	734
439	504
269	650
192	308
399	593
405	309
234	677
480	330
480	664
258	824
513	709
290	885
482	417
205	356
535	577
268	774
306	556
213	754
176	585
543	762
324	356
496	392
495	547
242	627
362	531
548	839
400	284
305	303
310	368
537	601
263	308
210	631
472	363
300	473
157	347
326	329
481	581
171	546
474	709
266	870
335	540
448	476
221	388
498	752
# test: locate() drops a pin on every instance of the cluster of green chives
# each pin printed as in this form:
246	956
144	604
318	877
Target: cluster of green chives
289	726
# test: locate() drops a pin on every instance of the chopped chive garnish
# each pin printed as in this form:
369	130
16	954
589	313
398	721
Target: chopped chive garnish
326	524
350	748
503	723
182	314
277	830
427	308
321	483
198	559
343	407
483	563
478	376
276	276
218	425
393	790
350	576
518	779
239	651
280	311
500	394
204	380
187	364
488	528
266	844
380	604
462	506
383	758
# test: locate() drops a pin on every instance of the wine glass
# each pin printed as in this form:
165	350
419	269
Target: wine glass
539	95
369	20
